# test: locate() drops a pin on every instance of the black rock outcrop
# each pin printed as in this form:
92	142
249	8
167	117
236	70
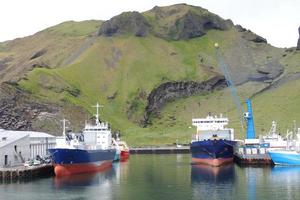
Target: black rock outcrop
269	71
183	21
170	91
127	22
249	35
174	23
38	54
298	44
16	113
239	28
192	25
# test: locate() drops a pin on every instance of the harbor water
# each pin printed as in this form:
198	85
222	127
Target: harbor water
159	176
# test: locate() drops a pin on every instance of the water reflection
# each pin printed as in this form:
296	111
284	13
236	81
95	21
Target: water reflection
149	177
287	180
212	182
213	175
121	170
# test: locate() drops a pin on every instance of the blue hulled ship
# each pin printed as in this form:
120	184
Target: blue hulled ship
213	144
89	151
291	154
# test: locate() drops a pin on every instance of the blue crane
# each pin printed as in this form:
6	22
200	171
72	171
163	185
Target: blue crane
245	116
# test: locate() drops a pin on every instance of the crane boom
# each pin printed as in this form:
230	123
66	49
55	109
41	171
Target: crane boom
223	67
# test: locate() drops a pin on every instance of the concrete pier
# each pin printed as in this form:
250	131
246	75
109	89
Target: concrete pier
25	173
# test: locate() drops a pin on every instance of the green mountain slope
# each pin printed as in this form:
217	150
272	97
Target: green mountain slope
120	66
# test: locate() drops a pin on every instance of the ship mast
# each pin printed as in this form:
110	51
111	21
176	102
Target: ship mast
97	106
64	127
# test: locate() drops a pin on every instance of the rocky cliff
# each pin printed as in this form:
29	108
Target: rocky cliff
170	91
174	22
128	22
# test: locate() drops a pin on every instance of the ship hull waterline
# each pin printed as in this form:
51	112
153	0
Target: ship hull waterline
212	152
75	161
70	169
285	157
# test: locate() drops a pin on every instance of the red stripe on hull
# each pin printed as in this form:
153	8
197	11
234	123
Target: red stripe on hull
124	155
69	169
212	162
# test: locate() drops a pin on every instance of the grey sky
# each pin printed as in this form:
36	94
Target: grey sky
276	20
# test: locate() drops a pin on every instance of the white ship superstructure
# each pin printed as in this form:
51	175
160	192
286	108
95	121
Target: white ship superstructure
212	126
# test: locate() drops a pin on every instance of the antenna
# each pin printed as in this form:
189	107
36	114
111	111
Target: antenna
97	106
64	126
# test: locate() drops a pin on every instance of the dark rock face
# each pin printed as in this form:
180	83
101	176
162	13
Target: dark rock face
192	25
128	22
250	36
184	22
38	54
298	44
269	71
239	28
170	91
15	112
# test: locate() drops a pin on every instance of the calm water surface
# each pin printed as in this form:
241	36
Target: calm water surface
163	177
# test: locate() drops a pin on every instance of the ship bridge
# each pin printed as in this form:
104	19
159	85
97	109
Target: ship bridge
210	123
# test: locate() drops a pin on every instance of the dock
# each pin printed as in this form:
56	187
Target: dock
160	150
252	156
8	174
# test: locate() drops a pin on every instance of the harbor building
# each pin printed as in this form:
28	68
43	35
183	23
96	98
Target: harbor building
14	148
40	143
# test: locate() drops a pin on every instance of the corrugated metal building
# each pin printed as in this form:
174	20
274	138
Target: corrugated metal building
14	148
19	146
40	143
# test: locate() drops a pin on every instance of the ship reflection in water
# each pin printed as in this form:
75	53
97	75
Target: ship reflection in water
213	182
288	178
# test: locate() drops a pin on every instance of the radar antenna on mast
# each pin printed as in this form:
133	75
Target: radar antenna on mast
97	106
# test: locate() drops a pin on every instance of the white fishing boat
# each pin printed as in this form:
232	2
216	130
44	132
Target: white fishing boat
290	155
273	139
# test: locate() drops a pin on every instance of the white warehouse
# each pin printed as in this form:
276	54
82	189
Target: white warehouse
40	143
16	147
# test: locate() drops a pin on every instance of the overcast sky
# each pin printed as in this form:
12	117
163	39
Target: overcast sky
276	20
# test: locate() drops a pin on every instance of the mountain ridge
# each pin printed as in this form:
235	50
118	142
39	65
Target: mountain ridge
124	60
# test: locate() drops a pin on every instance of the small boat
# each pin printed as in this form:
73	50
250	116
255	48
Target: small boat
89	151
213	144
122	148
288	156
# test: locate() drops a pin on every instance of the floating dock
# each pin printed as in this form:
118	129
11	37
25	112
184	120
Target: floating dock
25	173
160	150
252	156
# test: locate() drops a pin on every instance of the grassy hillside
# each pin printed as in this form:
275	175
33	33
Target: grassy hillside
128	68
120	72
56	44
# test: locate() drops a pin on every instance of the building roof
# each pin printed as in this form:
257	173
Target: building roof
8	137
34	134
